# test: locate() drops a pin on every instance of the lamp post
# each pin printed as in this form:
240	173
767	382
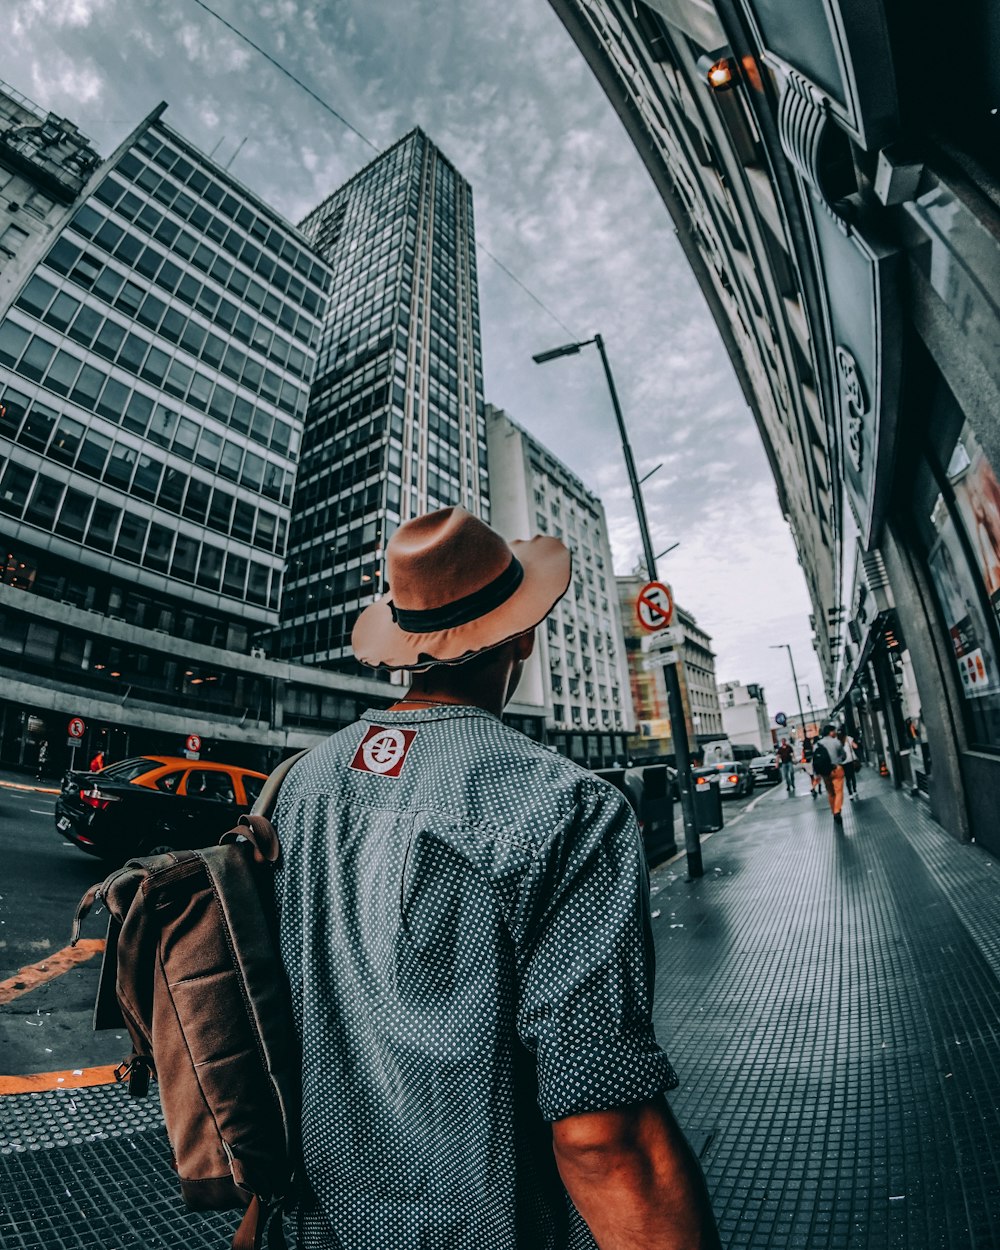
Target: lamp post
678	727
784	646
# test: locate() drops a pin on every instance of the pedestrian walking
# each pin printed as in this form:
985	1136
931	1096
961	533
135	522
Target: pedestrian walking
97	763
828	763
464	920
786	762
850	763
815	783
43	759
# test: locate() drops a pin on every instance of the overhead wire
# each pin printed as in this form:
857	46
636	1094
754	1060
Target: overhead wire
327	107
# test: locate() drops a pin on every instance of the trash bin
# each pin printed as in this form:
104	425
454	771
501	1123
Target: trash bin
630	786
656	814
707	804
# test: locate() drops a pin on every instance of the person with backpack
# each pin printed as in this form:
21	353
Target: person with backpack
786	758
464	922
828	764
851	763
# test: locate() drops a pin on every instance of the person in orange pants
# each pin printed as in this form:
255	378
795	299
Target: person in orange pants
834	783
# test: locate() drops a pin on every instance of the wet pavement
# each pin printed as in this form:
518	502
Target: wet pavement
831	999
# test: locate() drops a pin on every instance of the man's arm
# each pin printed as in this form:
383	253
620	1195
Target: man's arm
635	1180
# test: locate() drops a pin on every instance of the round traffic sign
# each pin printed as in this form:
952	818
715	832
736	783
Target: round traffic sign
192	743
654	606
780	718
76	727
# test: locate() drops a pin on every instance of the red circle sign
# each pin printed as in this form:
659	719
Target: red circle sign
193	742
76	727
654	606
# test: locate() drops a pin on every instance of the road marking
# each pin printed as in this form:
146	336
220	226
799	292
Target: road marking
34	975
72	1078
42	811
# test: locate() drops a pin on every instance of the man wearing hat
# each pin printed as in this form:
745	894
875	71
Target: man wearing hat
464	919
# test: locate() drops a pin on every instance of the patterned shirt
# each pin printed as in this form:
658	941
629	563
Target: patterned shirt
464	919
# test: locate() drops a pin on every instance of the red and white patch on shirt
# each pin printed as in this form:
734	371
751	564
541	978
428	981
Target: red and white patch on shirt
383	751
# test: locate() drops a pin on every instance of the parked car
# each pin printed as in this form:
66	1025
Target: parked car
735	777
151	803
765	769
649	789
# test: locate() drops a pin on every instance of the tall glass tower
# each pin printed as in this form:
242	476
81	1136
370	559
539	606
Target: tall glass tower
396	424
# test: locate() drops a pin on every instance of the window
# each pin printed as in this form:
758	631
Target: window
215	786
121	465
12	342
74	514
158	548
36	359
103	525
114	401
131	537
36	296
38	426
93	454
210	567
45	499
147	477
66	440
14	487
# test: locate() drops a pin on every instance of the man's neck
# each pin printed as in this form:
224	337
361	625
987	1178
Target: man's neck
434	694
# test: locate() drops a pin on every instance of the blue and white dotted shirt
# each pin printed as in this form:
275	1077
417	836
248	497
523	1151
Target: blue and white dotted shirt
465	927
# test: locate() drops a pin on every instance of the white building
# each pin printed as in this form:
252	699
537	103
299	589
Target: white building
744	714
578	673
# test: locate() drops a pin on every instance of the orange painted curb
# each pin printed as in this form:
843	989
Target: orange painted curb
76	1078
16	785
33	975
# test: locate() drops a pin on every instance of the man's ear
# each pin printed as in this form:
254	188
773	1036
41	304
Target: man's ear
524	644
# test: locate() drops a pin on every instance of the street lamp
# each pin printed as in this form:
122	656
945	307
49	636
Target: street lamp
678	727
784	646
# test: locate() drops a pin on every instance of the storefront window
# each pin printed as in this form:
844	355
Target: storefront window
958	512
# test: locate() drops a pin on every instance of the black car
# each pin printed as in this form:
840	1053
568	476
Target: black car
151	803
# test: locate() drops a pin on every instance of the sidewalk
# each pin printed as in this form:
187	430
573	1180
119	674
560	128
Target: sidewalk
831	1001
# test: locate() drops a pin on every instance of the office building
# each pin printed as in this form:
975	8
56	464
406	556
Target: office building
695	670
745	720
578	674
832	173
395	425
156	349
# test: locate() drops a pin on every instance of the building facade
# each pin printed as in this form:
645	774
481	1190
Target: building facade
695	670
745	720
156	346
578	674
832	170
395	425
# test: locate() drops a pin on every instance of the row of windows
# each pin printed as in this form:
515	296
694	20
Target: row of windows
103	526
87	271
129	298
61	372
123	465
246	326
104	665
194	208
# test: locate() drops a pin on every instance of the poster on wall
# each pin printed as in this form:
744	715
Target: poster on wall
967	628
977	495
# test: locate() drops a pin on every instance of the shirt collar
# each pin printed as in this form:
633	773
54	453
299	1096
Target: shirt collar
443	711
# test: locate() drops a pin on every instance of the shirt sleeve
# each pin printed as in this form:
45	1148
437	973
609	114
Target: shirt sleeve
586	963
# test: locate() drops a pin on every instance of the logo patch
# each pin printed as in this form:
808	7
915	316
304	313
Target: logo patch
383	751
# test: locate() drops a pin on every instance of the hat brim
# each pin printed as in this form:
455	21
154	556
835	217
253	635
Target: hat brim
380	643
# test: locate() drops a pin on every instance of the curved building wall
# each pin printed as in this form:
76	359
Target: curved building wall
832	171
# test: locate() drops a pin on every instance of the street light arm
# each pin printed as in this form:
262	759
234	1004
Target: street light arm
568	349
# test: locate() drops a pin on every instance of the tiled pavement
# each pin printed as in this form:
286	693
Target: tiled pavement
830	999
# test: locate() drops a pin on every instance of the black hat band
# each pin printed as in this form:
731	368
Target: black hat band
461	611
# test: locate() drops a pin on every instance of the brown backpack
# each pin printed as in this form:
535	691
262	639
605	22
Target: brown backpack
192	967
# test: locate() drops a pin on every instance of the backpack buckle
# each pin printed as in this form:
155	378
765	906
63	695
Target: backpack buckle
135	1071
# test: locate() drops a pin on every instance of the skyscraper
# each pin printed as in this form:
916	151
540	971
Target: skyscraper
395	424
156	347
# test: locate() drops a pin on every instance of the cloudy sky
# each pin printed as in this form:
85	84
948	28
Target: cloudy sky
561	199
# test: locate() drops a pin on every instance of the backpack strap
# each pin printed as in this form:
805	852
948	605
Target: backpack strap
268	796
260	1216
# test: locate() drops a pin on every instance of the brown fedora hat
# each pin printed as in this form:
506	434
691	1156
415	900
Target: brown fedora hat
457	588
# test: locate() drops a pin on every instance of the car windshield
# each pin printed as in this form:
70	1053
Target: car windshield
128	770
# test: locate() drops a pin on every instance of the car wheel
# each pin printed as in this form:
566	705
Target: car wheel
159	850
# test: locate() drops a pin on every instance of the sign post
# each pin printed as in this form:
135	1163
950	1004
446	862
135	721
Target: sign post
192	747
76	729
654	608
